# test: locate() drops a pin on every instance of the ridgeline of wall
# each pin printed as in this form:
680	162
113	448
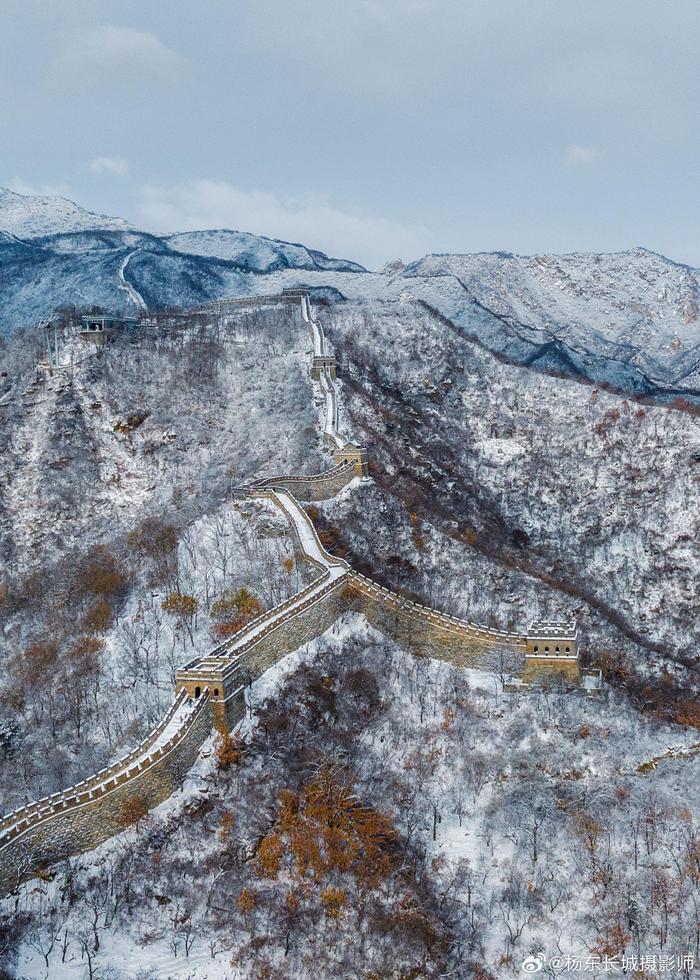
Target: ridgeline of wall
89	813
211	688
318	486
429	633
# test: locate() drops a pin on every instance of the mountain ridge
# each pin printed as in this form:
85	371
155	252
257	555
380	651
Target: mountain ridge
627	319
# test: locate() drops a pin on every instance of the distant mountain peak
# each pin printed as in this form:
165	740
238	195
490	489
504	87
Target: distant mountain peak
34	215
258	253
392	268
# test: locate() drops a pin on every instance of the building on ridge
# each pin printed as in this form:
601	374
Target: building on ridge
99	327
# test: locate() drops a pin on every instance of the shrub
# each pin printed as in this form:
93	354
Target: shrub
229	750
226	829
101	575
333	900
85	655
269	856
154	538
157	542
132	421
99	617
325	829
246	902
180	604
233	610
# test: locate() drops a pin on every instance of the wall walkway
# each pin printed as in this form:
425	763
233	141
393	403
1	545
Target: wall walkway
210	688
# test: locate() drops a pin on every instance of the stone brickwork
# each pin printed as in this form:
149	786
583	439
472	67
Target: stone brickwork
317	486
429	633
81	819
313	618
211	688
223	306
306	625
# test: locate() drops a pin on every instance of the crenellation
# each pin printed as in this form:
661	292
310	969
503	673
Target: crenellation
210	689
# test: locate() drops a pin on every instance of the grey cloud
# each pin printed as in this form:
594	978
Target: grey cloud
111	53
445	125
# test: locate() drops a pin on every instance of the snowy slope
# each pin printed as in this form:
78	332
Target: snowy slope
629	320
28	215
255	252
498	493
54	254
637	305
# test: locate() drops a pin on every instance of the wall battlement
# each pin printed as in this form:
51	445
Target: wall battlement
89	813
210	689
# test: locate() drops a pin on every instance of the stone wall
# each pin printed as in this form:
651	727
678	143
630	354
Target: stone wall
317	486
97	815
293	633
539	668
90	813
428	633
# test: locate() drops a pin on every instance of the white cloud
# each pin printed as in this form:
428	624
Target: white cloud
111	166
20	186
111	53
310	219
582	156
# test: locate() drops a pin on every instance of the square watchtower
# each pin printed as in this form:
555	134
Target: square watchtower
552	648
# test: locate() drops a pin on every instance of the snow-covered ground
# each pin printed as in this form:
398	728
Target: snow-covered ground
586	485
157	433
528	820
500	494
27	215
629	319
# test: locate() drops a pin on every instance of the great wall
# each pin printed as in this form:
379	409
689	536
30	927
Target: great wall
210	689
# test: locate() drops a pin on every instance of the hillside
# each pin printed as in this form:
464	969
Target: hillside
638	307
497	829
255	252
497	493
627	320
55	254
376	812
29	215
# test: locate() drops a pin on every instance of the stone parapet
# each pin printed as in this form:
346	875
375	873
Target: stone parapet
81	820
211	688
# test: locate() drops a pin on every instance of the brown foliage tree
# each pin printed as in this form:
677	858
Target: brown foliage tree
233	610
229	750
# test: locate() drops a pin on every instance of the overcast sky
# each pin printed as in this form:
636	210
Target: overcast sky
372	129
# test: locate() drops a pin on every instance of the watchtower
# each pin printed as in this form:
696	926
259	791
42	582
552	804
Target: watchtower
551	649
99	327
294	295
352	453
321	363
207	673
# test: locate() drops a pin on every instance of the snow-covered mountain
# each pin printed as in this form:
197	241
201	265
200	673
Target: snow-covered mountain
629	320
53	254
498	494
255	252
638	307
28	215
